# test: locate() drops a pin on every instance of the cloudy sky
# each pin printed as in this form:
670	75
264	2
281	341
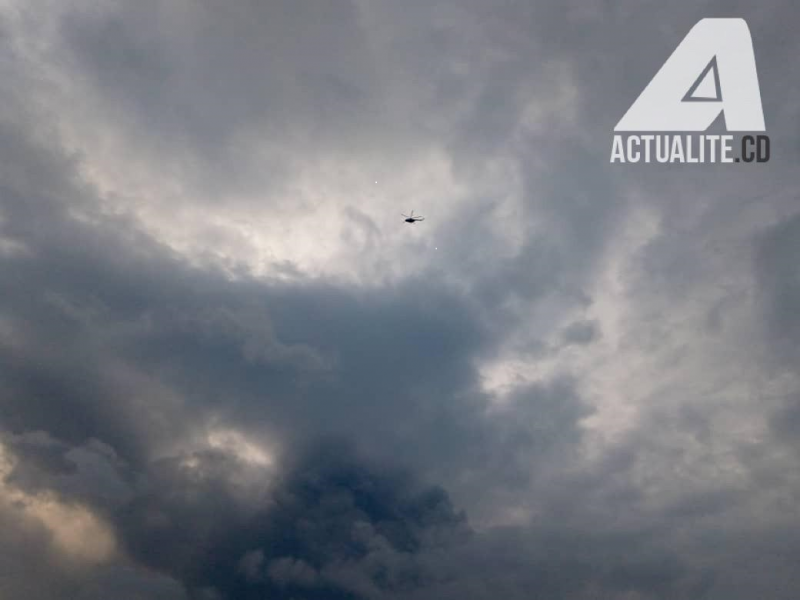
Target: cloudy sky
229	371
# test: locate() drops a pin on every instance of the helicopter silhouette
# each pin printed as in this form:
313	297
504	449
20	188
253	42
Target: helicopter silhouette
412	219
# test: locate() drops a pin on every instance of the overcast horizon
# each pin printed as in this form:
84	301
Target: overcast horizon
230	371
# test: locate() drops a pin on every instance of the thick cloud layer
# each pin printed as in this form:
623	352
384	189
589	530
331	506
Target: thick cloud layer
229	371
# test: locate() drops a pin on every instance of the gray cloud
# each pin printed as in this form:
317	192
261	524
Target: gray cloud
580	332
780	282
579	380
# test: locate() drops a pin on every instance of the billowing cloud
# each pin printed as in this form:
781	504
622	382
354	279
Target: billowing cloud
228	370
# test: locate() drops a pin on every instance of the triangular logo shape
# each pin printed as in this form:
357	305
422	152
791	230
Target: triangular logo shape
706	87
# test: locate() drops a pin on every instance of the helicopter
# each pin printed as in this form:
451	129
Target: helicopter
412	218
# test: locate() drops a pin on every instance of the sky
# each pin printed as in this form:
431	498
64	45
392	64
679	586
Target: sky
229	371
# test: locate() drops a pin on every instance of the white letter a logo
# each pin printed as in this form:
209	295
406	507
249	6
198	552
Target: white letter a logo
713	70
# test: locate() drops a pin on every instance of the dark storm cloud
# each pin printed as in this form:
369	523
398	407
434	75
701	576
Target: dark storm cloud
335	527
335	524
117	354
79	432
293	360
